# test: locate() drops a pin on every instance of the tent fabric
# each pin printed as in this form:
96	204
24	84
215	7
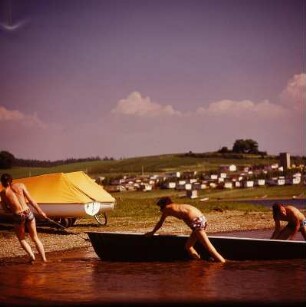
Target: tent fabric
89	187
69	188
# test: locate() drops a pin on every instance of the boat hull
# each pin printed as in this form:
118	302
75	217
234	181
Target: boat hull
112	246
69	210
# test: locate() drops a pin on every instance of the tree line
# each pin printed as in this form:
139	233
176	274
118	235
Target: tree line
247	146
239	148
8	160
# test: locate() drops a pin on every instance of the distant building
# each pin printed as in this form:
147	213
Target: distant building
228	168
192	193
171	185
228	185
248	184
284	159
260	182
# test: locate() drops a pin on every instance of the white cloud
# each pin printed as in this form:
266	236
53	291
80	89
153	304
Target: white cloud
7	115
232	108
137	105
295	92
18	117
291	99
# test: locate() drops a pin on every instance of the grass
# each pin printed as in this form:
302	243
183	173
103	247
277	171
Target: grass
141	205
147	165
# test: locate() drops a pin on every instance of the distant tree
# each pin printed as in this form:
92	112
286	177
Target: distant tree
224	149
6	160
245	146
253	146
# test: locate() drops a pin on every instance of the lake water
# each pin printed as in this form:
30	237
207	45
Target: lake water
80	277
297	202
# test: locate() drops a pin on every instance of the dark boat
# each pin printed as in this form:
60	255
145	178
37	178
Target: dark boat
119	246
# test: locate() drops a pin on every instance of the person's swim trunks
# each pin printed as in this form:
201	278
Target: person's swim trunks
198	223
23	216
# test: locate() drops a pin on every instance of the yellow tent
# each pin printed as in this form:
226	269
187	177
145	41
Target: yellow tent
59	188
68	194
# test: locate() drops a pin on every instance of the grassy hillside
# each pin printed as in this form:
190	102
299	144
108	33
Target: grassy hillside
150	164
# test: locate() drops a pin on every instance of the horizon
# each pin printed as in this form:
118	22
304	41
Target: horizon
128	78
156	155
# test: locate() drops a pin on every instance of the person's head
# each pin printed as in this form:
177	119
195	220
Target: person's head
163	202
6	180
278	209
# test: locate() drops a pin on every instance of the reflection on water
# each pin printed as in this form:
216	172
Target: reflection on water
80	277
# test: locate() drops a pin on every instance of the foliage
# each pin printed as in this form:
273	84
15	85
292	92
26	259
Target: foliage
6	160
245	146
37	163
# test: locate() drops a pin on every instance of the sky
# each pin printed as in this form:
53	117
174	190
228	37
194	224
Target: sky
130	78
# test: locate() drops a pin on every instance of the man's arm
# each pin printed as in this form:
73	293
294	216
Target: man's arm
5	206
276	229
157	226
32	202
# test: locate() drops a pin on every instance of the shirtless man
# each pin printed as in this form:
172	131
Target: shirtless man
295	218
14	198
194	219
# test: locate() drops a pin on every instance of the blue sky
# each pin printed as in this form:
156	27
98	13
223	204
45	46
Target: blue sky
125	78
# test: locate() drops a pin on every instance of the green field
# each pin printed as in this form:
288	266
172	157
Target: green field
148	165
132	203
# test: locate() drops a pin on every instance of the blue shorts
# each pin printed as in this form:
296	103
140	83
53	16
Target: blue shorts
22	217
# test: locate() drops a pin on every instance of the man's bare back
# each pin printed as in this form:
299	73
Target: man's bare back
295	218
292	214
13	197
183	212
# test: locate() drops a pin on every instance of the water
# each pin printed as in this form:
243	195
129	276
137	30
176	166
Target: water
299	203
80	277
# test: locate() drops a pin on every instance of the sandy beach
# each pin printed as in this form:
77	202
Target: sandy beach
75	237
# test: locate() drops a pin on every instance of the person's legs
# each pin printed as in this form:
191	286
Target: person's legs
189	246
203	238
33	234
20	232
303	232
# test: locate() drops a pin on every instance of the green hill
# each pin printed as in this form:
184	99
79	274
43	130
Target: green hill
205	162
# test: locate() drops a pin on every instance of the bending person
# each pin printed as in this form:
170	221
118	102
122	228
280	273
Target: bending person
194	218
295	218
14	198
